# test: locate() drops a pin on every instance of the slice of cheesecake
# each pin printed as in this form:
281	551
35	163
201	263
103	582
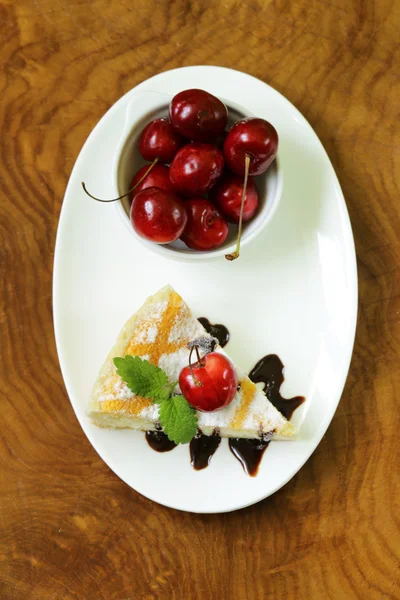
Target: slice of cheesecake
160	332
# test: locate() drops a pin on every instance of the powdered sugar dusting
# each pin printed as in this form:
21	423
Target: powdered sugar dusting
150	413
186	328
173	363
156	311
140	336
204	344
122	392
263	414
146	331
118	390
147	335
151	334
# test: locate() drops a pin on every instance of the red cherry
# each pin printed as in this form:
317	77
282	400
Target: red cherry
255	137
158	216
209	384
196	168
158	177
159	140
198	115
227	196
206	228
249	149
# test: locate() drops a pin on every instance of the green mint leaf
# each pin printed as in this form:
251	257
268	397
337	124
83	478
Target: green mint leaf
178	419
143	378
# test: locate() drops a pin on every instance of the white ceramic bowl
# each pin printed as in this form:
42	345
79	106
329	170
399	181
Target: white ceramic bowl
142	108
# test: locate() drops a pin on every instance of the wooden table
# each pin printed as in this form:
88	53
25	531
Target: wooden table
333	531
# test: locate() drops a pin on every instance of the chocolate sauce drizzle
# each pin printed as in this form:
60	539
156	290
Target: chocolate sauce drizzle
202	448
218	331
269	371
249	453
159	441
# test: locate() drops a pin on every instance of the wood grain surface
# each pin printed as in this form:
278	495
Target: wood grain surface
333	531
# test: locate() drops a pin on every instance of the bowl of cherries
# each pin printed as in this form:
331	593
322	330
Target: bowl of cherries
194	177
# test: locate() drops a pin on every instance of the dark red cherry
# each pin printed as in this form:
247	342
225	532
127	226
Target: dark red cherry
206	228
196	168
198	115
210	384
157	177
227	196
255	137
158	216
159	140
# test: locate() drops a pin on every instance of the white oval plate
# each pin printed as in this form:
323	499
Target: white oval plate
293	292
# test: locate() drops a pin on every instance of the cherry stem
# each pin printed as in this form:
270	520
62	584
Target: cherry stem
236	253
196	381
126	193
198	357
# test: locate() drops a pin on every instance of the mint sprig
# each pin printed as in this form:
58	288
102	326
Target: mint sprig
177	417
143	378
